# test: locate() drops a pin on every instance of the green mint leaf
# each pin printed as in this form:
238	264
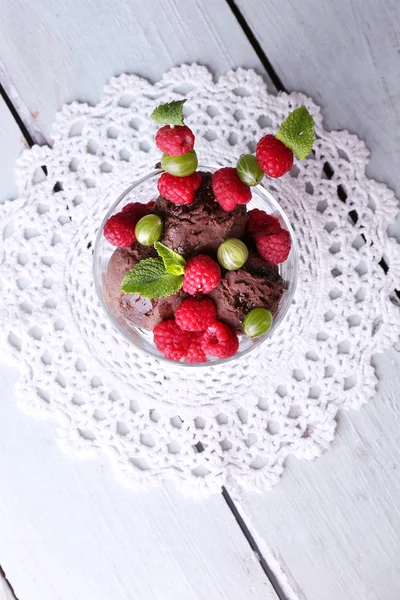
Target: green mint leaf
169	113
174	263
297	132
150	279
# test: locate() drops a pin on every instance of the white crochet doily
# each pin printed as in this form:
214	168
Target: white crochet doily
203	427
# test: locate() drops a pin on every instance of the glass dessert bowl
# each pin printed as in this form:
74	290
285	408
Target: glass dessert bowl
135	316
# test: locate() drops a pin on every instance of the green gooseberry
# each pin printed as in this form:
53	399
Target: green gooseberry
148	230
249	170
232	254
257	322
180	166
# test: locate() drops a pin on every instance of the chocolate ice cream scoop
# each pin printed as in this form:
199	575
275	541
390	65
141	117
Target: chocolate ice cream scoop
148	313
142	311
241	291
256	264
140	252
199	227
120	263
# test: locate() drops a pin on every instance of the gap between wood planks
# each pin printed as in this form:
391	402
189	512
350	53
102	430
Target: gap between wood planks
12	593
29	139
253	545
276	80
229	502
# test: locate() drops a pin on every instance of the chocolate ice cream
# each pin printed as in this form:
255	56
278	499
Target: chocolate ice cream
256	264
120	263
142	311
139	252
259	285
201	226
148	313
203	237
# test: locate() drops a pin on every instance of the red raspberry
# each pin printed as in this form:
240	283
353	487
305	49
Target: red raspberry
219	340
229	189
274	247
273	156
120	229
196	314
202	274
195	354
260	222
179	190
171	340
175	141
138	209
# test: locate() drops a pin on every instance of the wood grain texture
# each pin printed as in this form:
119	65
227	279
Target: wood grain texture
333	525
69	530
65	525
330	527
11	145
79	47
346	55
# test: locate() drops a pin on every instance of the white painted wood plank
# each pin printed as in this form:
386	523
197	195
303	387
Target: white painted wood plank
331	529
333	525
5	590
70	530
78	47
11	145
309	557
66	525
13	142
346	54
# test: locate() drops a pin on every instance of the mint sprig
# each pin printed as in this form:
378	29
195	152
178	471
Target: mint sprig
174	263
297	132
150	279
170	113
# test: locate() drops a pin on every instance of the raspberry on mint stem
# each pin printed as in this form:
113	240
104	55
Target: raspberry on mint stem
175	141
273	156
229	189
179	190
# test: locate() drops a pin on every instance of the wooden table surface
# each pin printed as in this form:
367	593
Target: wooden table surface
330	530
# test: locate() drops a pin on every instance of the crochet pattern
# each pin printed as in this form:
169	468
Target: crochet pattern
202	427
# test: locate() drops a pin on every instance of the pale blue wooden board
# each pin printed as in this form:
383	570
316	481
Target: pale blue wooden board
346	55
70	530
12	142
322	528
333	525
63	51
